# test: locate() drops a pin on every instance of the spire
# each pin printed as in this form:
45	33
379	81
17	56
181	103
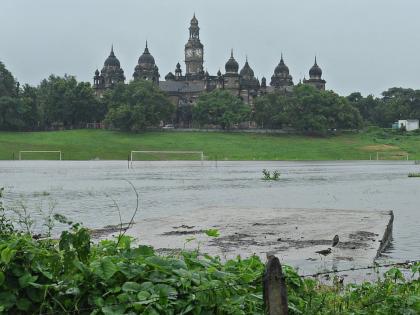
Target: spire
281	59
112	51
315	61
146	49
231	53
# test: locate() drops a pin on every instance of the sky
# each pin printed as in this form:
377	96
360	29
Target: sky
361	45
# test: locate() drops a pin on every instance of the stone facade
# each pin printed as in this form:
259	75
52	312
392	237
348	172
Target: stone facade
184	89
110	74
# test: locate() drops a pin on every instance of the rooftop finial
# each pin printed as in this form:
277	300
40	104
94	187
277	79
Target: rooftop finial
281	56
146	49
231	53
315	61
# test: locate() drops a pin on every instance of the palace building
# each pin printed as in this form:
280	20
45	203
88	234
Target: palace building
184	88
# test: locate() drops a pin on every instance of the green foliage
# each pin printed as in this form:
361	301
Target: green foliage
212	232
63	101
307	109
136	106
413	174
268	176
8	85
220	108
272	110
110	278
6	226
395	104
13	113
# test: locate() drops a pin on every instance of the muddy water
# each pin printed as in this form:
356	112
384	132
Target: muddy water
84	191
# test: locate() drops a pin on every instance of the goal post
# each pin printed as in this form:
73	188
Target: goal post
43	153
166	155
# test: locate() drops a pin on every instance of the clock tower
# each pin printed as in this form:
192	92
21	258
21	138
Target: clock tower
194	53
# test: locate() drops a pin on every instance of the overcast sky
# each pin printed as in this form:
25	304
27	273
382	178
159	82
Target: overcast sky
361	45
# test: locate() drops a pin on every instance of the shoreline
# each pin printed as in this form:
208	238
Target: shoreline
294	235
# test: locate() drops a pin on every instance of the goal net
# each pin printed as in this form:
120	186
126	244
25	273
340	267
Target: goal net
166	156
40	155
390	155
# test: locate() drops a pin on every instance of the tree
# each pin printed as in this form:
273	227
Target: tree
319	111
271	110
220	108
137	105
12	113
8	85
63	100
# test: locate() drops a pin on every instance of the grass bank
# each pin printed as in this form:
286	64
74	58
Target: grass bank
111	145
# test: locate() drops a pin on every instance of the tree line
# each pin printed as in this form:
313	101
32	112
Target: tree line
63	102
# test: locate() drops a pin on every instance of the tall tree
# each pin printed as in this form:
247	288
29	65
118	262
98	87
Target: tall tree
220	108
63	100
8	85
137	105
272	110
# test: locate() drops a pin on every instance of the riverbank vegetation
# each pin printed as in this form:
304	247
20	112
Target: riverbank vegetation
74	275
112	145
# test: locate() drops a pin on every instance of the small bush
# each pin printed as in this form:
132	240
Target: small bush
268	176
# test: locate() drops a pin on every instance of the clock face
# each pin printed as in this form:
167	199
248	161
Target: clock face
194	53
189	53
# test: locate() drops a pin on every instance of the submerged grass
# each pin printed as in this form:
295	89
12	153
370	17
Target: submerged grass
413	174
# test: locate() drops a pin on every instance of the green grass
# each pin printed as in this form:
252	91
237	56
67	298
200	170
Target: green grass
413	174
111	145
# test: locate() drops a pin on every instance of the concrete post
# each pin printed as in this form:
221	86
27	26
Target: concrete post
274	288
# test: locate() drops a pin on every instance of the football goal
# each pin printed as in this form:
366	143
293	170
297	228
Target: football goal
40	155
390	155
166	156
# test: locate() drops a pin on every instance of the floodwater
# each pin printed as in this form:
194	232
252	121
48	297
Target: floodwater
88	191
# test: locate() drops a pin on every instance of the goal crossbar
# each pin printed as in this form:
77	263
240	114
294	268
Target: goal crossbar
20	153
201	153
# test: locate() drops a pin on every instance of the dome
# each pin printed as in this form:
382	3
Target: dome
281	68
146	58
315	71
112	61
246	71
232	65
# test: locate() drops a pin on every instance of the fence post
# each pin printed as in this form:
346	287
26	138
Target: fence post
274	288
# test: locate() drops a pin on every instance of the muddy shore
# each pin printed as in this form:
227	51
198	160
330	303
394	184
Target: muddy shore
294	235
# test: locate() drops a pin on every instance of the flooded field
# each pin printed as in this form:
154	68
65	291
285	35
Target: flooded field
86	191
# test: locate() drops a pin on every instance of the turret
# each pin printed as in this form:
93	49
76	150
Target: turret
146	68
